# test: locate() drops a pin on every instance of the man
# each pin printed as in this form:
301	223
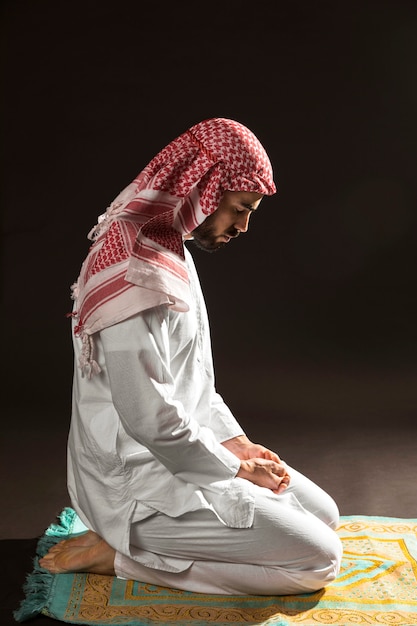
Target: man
159	470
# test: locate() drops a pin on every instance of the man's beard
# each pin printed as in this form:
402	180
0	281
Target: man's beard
204	236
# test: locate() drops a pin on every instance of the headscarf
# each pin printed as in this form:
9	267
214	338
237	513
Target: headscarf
137	258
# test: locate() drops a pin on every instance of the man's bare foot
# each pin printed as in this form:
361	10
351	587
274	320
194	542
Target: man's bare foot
82	541
96	558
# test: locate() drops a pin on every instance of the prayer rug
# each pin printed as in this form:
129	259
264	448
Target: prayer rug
377	585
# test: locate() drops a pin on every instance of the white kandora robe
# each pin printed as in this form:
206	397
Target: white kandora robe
148	473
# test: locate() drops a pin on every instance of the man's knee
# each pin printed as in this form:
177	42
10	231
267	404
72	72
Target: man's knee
326	564
320	568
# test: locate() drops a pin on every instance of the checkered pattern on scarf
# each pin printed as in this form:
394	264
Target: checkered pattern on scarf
138	242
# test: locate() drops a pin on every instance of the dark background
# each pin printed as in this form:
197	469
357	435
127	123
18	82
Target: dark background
313	312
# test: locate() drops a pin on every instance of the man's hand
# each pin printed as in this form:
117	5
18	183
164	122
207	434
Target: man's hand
244	449
260	465
265	473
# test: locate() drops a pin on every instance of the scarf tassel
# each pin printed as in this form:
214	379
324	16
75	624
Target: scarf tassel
89	366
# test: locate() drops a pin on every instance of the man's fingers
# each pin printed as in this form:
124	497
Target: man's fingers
278	469
271	456
285	481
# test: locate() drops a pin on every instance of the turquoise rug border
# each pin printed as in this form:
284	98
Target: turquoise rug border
40	584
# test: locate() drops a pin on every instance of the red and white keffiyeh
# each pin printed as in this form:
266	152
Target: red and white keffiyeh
137	258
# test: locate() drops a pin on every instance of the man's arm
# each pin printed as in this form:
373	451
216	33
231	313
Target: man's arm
143	393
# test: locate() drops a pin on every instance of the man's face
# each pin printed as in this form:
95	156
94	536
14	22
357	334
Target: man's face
228	221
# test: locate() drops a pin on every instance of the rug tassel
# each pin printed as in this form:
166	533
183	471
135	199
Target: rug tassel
65	525
36	590
38	584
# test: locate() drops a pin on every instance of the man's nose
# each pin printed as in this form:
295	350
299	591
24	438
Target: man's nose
242	223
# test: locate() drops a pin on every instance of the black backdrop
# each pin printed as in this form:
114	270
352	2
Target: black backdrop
313	311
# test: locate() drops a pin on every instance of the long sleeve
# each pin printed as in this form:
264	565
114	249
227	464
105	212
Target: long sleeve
163	395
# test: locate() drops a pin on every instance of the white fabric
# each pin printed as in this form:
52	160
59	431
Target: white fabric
290	548
145	452
145	433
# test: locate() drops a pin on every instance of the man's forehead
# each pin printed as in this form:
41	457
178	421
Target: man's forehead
246	196
250	200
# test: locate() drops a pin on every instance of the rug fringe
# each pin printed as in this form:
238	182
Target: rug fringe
38	584
36	590
65	525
